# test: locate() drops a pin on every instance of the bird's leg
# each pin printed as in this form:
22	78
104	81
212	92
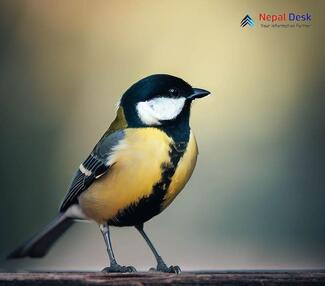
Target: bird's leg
161	265
114	266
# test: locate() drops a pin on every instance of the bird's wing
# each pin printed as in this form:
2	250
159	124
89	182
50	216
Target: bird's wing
96	165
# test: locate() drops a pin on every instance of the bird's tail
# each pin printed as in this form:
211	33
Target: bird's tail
40	243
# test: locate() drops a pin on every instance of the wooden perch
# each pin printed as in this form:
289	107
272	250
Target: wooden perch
186	278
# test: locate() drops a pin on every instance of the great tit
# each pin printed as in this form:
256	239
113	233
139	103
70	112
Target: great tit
135	171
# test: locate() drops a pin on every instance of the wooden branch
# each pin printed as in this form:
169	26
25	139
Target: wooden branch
151	278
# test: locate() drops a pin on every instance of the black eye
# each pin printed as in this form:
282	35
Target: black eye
173	92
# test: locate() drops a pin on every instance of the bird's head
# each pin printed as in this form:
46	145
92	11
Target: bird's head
159	100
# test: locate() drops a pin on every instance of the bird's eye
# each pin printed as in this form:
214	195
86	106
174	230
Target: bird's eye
173	92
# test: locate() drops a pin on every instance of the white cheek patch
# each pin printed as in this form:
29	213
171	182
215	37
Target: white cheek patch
160	108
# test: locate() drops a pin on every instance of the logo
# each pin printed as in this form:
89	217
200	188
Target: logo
248	20
278	20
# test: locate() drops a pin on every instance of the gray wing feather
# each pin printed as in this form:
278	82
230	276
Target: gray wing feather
92	168
106	144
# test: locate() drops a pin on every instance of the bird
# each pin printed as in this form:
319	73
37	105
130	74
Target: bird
134	172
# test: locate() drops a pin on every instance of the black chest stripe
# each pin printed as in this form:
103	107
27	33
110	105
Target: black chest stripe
147	207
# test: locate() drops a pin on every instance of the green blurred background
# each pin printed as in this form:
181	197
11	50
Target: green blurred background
257	196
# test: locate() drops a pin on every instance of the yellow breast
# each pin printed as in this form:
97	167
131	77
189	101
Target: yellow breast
136	168
183	172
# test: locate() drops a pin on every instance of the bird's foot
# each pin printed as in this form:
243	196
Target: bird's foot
116	268
162	267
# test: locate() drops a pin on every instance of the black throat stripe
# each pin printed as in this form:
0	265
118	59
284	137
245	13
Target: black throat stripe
147	207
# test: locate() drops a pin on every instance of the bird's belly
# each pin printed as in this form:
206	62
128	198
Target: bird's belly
135	189
137	167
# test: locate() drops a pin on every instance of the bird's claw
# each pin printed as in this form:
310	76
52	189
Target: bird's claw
174	269
162	267
116	268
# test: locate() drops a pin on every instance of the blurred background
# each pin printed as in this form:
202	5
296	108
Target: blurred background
256	198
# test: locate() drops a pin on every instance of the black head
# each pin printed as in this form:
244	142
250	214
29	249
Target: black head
159	100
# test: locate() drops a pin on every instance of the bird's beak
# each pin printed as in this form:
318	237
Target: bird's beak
198	93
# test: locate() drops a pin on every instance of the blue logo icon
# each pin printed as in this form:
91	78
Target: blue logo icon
248	20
